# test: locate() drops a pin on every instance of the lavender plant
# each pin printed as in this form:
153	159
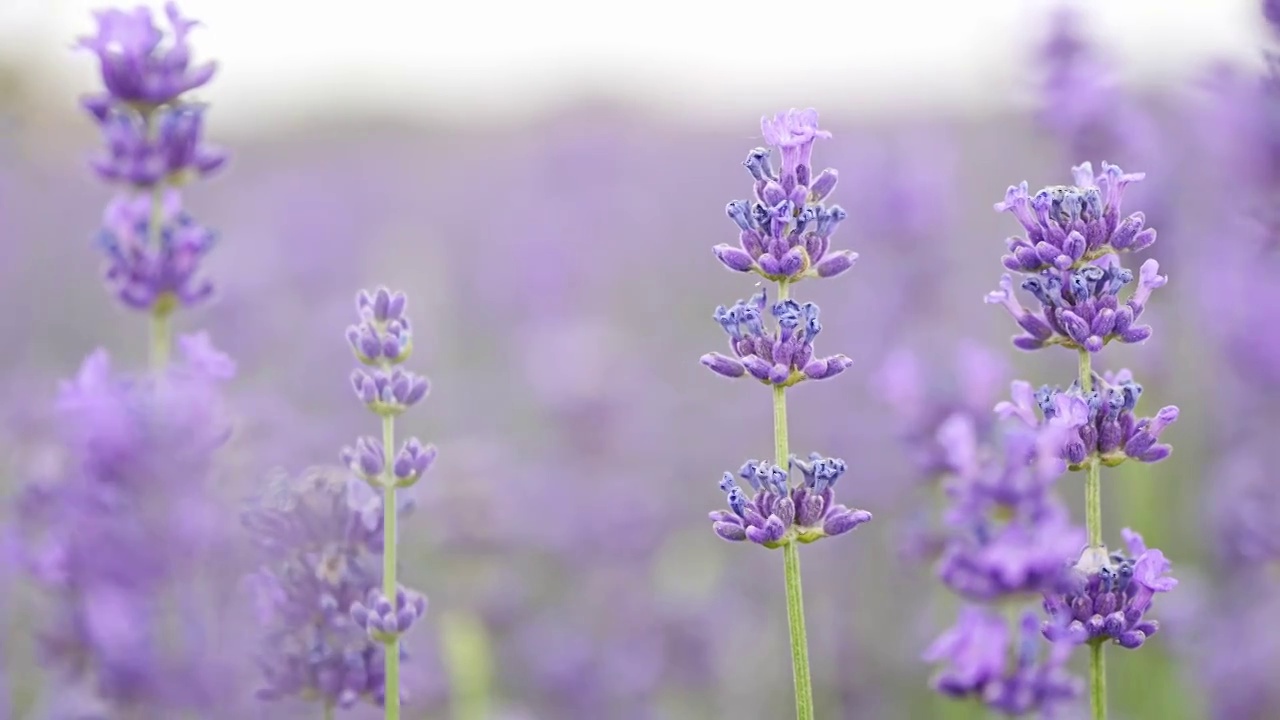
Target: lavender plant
104	529
1071	260
784	237
153	146
383	341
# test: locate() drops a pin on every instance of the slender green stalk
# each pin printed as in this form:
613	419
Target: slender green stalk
1093	522
161	343
328	711
791	566
469	660
389	562
1097	682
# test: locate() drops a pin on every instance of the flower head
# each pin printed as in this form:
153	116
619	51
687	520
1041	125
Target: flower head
781	356
153	258
786	233
1007	671
174	154
109	533
1102	423
776	513
141	64
1109	596
321	558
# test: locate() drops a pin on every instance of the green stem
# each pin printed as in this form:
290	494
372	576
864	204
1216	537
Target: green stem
1097	682
469	661
328	711
791	565
392	685
161	338
1093	523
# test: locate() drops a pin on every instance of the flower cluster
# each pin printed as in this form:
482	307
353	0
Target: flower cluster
1102	422
320	559
777	513
1010	534
1108	596
785	235
384	620
782	356
977	662
1070	256
110	534
153	144
383	339
1007	539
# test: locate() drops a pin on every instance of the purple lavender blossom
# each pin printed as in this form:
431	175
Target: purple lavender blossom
1109	596
383	340
141	64
1010	535
777	513
320	559
113	538
786	233
385	620
1102	423
153	145
977	653
148	276
1074	234
781	357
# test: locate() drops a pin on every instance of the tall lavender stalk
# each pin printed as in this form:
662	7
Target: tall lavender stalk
1071	260
153	147
383	341
785	238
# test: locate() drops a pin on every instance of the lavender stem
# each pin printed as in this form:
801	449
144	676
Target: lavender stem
161	326
1093	522
389	563
328	711
791	562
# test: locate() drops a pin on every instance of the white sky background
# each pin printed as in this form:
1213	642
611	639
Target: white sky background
499	60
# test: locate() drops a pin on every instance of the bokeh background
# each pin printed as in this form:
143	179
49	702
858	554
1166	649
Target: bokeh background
546	180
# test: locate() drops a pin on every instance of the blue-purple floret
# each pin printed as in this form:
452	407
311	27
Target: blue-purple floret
1101	424
782	355
785	234
1071	259
776	514
1107	597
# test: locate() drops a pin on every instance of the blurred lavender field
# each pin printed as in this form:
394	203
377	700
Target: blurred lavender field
562	284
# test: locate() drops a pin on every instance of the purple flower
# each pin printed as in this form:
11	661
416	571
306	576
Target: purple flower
141	64
1074	234
384	620
173	156
777	513
110	533
785	235
154	276
1009	534
1109	596
976	653
1101	424
383	340
783	356
320	559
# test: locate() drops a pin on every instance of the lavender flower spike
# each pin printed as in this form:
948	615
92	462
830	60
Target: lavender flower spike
784	237
153	145
777	513
785	234
383	341
1071	257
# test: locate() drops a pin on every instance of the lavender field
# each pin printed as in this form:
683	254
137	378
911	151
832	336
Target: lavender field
620	415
